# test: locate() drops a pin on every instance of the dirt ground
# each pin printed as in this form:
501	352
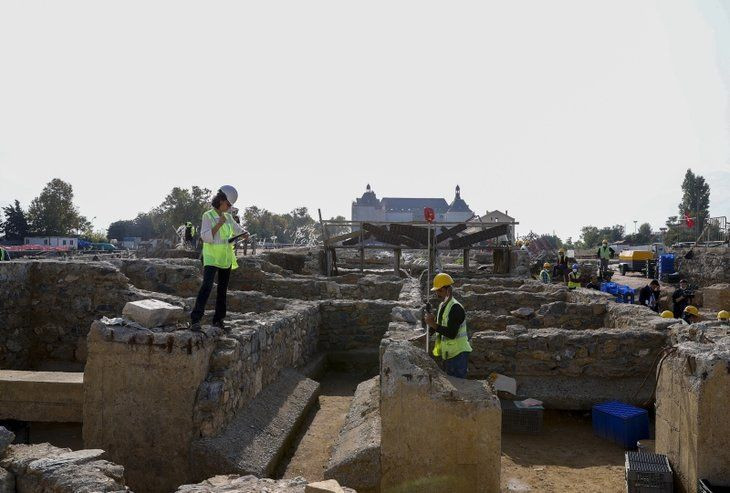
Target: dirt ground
565	457
314	445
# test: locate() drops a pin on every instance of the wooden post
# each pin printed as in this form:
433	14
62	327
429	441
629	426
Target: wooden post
327	263
396	261
362	251
466	261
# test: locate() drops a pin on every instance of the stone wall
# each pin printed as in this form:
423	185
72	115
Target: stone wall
503	302
140	390
420	409
250	357
353	325
692	420
48	307
252	484
558	314
570	369
182	278
708	266
43	468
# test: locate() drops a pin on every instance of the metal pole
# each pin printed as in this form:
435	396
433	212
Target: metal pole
428	280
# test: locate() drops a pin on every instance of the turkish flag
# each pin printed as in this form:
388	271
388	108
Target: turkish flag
690	222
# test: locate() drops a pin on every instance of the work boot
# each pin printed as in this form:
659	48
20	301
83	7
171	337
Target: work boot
195	327
221	325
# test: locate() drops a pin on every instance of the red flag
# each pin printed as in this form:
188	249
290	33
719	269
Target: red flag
690	222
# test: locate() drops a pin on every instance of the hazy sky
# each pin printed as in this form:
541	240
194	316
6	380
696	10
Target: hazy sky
566	113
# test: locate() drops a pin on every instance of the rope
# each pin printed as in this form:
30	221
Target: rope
664	353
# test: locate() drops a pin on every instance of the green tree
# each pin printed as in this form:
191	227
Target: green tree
15	226
180	206
53	212
695	200
590	236
142	226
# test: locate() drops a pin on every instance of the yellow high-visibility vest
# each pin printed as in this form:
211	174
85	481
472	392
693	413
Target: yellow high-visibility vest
448	348
220	254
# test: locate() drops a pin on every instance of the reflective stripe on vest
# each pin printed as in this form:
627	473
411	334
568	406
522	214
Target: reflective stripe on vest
448	348
220	254
604	252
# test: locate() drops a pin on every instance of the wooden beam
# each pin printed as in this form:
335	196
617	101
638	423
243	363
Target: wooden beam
450	232
384	235
469	240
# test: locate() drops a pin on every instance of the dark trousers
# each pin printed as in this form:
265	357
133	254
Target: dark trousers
458	365
209	273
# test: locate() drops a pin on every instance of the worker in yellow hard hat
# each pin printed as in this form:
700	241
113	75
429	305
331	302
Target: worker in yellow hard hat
691	314
561	266
449	326
545	273
723	316
667	314
604	254
518	243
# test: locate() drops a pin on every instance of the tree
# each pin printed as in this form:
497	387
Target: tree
142	226
15	226
695	200
180	206
53	212
590	236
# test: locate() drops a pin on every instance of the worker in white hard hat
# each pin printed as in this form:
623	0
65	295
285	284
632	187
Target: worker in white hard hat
218	230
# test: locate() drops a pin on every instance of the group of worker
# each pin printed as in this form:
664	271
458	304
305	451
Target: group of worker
571	277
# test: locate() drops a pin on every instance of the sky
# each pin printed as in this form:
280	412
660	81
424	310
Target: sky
566	113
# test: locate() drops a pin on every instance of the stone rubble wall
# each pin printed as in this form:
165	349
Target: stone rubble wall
503	302
707	267
692	419
606	353
250	357
353	325
557	314
43	468
48	307
252	484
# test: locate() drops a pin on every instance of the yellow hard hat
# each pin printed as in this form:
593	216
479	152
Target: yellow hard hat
441	280
546	265
692	310
518	243
723	315
527	242
605	242
667	314
562	250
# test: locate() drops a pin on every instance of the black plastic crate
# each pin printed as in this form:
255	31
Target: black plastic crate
648	473
706	487
521	419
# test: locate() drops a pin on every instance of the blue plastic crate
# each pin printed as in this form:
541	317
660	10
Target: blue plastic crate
621	423
604	287
612	287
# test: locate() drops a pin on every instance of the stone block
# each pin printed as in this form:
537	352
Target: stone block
41	396
692	419
7	481
152	313
438	433
6	438
328	486
717	297
355	460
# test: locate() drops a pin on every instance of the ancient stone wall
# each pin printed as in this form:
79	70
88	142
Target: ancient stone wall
43	468
353	325
250	357
503	302
48	307
423	412
355	457
706	267
140	389
692	420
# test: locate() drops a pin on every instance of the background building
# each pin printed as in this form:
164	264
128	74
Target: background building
407	209
53	241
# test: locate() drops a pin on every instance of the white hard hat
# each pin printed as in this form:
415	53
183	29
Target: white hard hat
231	193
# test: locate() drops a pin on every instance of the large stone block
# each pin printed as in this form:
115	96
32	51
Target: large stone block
42	396
7	481
692	419
717	297
6	438
140	390
152	313
438	433
355	459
